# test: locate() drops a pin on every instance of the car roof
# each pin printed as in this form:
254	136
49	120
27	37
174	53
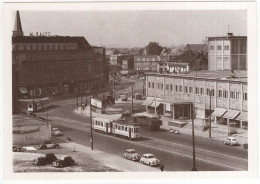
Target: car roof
148	154
231	138
130	150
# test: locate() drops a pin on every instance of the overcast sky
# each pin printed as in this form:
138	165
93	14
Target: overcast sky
136	28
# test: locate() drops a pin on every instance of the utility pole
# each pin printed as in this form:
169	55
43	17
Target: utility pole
114	87
132	99
210	113
91	131
143	88
193	142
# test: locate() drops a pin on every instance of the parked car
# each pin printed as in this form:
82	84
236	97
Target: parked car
56	133
174	131
48	145
149	159
66	161
245	146
45	159
131	154
17	148
230	141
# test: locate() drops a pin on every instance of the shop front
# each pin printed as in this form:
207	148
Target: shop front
218	113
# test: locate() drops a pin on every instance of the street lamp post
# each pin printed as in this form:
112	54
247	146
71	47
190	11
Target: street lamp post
91	129
193	142
132	100
210	113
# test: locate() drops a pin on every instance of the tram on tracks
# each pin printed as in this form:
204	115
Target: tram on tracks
119	128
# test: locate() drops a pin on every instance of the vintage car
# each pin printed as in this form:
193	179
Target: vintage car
131	155
56	132
64	162
149	159
48	145
45	159
17	148
230	141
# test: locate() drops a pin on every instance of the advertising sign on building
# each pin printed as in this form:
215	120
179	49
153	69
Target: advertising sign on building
96	103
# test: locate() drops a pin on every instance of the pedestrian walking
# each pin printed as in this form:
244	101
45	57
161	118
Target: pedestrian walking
162	167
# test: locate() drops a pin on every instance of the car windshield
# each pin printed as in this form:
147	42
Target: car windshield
233	139
150	156
132	152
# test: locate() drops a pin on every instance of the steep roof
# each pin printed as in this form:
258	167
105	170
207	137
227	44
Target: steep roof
81	41
195	47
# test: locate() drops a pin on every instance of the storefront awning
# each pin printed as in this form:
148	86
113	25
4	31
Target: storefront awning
23	90
155	104
231	114
148	101
243	116
219	112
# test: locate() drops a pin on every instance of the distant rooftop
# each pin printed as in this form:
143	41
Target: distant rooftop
237	75
228	36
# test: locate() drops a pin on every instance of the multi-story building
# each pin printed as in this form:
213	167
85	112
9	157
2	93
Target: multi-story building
174	95
143	64
184	63
44	65
227	52
128	65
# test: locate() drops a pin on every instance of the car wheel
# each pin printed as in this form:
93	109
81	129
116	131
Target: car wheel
149	164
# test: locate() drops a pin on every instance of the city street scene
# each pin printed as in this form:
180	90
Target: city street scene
129	91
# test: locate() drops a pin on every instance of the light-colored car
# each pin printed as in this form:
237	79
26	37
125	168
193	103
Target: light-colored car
48	145
149	159
131	154
56	133
230	141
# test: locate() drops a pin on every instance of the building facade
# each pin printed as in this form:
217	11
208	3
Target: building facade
46	65
143	64
174	95
227	53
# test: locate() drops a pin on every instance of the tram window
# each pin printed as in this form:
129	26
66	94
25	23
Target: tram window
125	128
101	124
116	126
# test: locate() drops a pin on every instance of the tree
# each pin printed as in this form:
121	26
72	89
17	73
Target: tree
141	51
116	52
153	48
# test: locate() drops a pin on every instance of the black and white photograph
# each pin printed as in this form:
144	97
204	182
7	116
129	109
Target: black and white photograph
130	88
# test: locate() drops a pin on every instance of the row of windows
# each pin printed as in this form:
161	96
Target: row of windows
226	59
145	63
125	128
151	68
146	59
226	47
198	91
45	47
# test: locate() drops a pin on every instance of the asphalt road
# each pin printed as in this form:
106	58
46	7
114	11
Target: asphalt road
77	127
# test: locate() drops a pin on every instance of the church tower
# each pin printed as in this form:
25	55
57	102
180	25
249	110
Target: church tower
18	31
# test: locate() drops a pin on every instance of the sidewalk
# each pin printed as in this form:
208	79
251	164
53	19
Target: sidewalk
218	132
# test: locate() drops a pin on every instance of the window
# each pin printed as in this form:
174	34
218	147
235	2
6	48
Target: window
226	47
176	88
58	47
212	92
234	48
153	85
201	91
149	84
125	128
171	87
37	47
42	47
180	88
31	47
226	59
167	87
225	94
219	59
211	47
242	48
219	47
24	47
185	89
190	90
53	47
48	47
197	91
220	93
237	95
245	96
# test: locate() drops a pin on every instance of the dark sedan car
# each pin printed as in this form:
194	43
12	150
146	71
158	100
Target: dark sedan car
66	161
45	159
